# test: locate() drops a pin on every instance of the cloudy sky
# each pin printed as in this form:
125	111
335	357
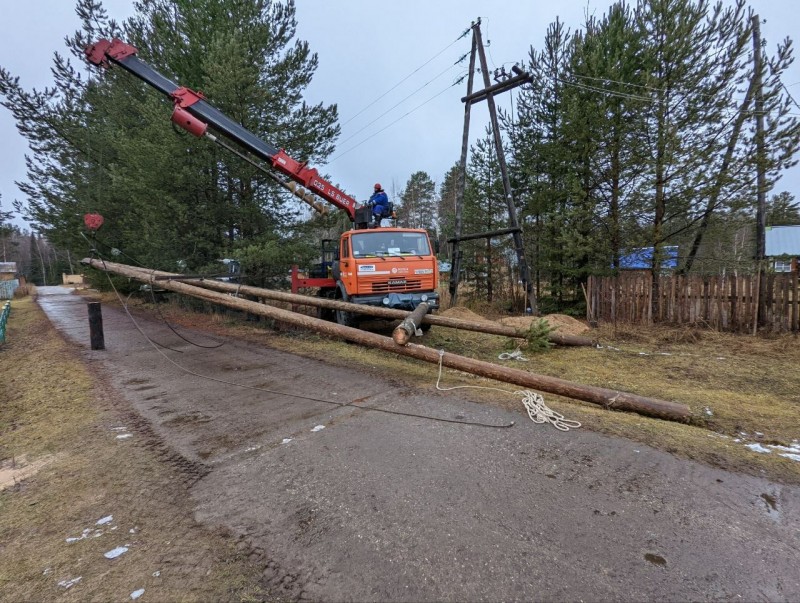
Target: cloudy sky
388	65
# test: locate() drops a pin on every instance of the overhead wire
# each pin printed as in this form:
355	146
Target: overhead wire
379	117
390	109
438	54
343	153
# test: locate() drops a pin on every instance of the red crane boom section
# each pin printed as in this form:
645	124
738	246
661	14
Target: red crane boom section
195	114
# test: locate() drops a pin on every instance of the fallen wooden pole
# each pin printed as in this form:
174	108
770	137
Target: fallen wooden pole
403	333
490	328
607	398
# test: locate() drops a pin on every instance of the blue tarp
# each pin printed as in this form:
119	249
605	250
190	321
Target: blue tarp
642	258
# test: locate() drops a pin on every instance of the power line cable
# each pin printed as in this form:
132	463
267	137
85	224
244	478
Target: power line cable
463	34
390	109
343	153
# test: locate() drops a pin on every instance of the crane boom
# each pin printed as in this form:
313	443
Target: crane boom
195	114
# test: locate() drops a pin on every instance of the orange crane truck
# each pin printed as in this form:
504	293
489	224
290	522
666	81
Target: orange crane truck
378	266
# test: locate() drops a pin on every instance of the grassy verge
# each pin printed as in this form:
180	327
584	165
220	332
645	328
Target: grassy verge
738	387
57	418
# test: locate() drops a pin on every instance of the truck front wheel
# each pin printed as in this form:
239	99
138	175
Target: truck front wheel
346	319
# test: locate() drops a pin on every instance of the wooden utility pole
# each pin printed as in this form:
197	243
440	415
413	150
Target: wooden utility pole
487	94
455	270
489	327
761	211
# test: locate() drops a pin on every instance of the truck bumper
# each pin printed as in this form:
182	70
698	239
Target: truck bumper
398	301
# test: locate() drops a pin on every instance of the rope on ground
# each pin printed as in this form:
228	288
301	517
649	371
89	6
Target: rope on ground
515	355
534	404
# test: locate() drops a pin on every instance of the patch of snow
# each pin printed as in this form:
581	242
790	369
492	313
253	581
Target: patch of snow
114	553
708	411
758	433
758	448
318	428
793	449
106	519
137	593
84	534
286	440
133	530
70	583
156	574
47	570
794	457
124	436
119	429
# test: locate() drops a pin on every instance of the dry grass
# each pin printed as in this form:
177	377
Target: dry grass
52	408
746	383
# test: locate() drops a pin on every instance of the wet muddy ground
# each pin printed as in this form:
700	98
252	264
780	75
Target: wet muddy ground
378	506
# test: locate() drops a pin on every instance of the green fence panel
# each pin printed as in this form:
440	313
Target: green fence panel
4	320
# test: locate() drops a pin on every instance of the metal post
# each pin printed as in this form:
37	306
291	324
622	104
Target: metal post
96	326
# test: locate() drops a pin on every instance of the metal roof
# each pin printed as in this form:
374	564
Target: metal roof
8	267
782	240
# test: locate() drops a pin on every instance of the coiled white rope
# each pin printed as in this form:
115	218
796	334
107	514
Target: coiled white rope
515	355
538	411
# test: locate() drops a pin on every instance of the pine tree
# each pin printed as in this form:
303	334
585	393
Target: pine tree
418	204
105	145
783	210
485	210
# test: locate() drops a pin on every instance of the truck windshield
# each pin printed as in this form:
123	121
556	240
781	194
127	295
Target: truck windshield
389	243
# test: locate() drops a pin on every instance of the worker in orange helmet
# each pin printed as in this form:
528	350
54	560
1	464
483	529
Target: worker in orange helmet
379	201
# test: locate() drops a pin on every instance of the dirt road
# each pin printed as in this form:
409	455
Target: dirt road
385	507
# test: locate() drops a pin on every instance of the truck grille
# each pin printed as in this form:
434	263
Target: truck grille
391	285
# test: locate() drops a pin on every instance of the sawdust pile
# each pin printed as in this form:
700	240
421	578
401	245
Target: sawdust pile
561	323
462	313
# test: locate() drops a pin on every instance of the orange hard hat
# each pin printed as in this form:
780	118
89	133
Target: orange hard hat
378	186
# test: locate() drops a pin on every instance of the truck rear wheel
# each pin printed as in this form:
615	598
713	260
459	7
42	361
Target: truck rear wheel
326	313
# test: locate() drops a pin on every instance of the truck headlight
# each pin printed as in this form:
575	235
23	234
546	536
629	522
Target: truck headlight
385	301
424	298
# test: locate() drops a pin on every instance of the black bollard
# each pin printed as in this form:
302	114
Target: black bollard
96	326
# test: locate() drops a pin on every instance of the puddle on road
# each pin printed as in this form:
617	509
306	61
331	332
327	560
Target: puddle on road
771	502
655	559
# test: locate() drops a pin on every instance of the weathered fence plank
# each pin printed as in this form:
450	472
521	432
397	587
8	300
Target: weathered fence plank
723	302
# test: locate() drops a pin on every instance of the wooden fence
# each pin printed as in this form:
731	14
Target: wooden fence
724	303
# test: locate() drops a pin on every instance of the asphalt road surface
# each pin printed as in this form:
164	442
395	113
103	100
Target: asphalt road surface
378	506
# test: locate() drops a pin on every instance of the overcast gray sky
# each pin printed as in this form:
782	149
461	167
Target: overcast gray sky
365	48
